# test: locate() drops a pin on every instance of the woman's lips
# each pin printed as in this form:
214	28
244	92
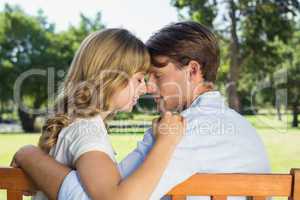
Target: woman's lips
134	101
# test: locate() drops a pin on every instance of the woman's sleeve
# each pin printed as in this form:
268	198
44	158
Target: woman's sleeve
87	138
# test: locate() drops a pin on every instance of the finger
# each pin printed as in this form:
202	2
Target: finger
177	117
14	164
167	114
154	123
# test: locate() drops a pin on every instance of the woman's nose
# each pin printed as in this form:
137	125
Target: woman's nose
143	89
151	87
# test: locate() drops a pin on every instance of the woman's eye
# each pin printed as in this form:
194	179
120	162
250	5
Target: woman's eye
140	80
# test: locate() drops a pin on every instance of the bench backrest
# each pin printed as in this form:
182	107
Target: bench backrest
219	186
14	181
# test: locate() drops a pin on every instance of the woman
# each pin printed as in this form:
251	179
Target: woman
105	77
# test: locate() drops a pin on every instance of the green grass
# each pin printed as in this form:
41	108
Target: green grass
10	143
282	143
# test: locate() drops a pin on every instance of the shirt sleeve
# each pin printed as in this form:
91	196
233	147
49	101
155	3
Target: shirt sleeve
87	137
134	159
71	188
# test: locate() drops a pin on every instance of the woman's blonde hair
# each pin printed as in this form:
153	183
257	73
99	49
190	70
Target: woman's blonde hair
102	65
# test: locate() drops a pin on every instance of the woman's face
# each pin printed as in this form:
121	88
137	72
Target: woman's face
125	99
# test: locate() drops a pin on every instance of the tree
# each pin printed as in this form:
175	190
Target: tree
290	53
30	42
249	27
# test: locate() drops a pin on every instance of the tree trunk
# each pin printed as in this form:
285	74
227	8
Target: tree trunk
279	115
295	115
233	98
27	120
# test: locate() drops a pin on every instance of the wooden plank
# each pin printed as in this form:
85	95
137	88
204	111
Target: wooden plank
235	184
296	184
178	197
216	197
258	198
14	195
14	179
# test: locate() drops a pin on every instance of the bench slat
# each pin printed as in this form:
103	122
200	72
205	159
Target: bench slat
14	195
296	184
14	179
178	197
235	184
259	198
219	186
216	197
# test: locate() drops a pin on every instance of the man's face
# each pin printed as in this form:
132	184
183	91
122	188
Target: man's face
168	85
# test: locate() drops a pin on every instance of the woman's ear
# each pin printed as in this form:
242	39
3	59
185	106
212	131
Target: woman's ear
195	73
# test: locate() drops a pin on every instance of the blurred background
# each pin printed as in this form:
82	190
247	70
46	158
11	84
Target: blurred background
259	74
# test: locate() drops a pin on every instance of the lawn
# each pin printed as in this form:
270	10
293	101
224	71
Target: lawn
281	141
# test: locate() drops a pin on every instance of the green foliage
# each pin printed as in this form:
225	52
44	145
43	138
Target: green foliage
262	28
30	42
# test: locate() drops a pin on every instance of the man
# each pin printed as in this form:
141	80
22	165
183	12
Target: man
185	59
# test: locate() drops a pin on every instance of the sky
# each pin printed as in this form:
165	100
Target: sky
142	17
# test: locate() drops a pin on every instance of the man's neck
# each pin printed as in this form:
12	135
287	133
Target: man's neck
197	92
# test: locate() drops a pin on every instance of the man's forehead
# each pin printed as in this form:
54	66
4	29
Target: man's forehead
161	59
153	69
159	62
157	70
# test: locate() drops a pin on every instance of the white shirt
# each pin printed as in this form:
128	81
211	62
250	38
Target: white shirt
81	136
217	139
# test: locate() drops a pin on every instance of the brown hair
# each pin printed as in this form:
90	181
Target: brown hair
101	66
185	41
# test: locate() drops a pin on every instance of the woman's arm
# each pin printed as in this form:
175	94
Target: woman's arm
46	173
102	180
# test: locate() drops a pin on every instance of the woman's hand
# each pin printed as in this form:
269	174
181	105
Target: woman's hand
15	163
46	173
170	127
20	154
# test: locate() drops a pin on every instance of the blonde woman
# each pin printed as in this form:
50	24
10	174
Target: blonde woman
106	76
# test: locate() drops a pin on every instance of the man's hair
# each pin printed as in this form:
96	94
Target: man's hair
185	41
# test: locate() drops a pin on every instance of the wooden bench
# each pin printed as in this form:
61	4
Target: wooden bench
219	186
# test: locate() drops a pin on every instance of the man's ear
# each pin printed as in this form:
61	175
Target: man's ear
195	73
